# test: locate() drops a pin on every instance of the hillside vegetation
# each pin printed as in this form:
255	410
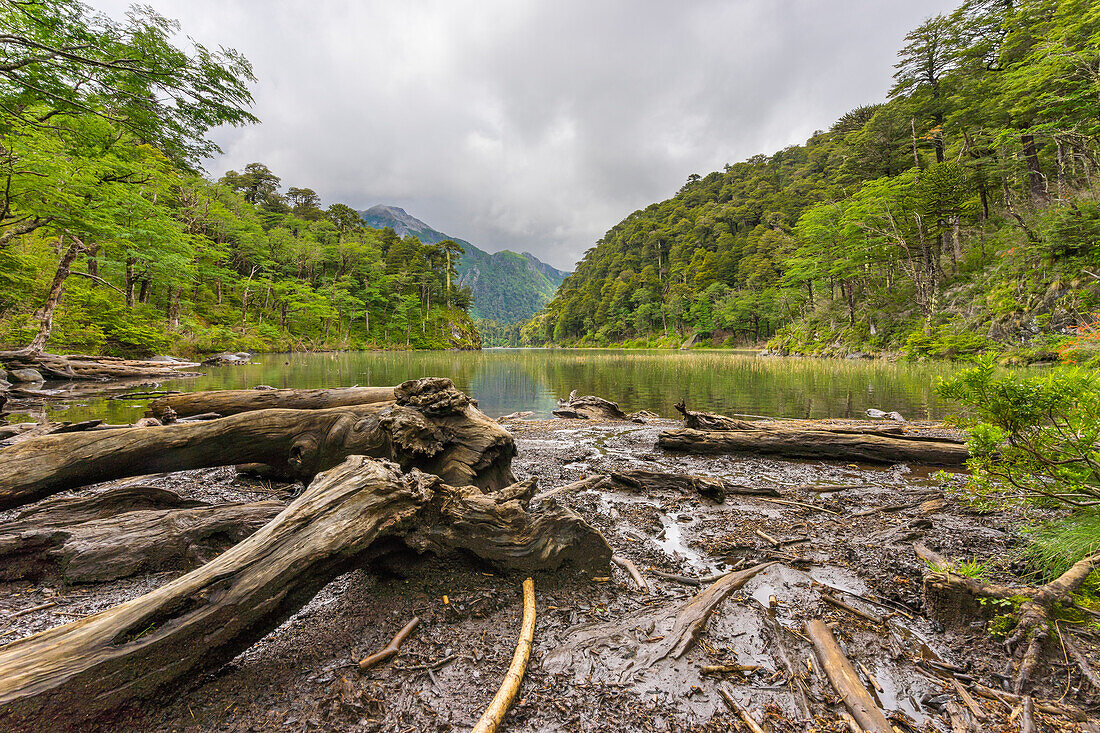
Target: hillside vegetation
959	216
506	286
112	242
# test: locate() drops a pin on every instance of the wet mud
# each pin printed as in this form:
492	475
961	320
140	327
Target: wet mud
594	666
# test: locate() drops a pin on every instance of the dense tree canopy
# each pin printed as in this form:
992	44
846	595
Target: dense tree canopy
102	124
959	213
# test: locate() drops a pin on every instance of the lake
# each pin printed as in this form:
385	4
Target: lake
513	380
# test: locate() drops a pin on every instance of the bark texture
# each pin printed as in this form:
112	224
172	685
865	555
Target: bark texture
62	678
123	532
235	401
431	426
794	443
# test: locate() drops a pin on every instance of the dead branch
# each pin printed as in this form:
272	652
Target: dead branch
845	680
635	575
390	649
494	715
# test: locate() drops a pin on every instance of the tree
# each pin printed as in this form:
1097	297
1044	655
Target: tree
58	61
926	58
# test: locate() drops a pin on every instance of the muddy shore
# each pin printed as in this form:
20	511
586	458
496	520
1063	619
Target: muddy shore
584	674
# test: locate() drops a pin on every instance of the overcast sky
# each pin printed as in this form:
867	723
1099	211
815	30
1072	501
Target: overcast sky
537	125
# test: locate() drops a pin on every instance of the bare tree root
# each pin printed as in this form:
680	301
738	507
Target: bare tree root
956	597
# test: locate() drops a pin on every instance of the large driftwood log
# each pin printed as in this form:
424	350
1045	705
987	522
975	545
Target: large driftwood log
76	366
816	444
588	407
431	426
235	401
59	679
122	532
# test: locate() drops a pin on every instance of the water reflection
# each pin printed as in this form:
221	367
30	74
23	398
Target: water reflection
511	380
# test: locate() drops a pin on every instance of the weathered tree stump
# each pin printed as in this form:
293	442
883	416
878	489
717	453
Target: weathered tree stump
235	401
431	426
62	678
822	444
123	532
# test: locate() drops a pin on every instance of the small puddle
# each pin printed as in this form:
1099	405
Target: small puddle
672	543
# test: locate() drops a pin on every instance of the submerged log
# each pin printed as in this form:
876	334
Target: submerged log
588	407
123	532
62	678
235	401
431	426
80	367
816	444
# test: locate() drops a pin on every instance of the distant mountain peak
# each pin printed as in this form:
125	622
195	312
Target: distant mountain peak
507	286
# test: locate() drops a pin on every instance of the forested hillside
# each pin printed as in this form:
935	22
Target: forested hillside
111	241
506	286
960	215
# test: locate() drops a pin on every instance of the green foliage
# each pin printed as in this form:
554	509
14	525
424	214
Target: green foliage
1032	436
944	342
956	218
97	145
1057	545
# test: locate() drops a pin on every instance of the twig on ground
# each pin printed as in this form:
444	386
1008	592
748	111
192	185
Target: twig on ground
390	649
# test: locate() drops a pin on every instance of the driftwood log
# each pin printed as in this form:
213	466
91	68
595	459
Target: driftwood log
235	401
822	444
62	678
79	367
641	480
845	680
431	426
588	407
121	532
710	420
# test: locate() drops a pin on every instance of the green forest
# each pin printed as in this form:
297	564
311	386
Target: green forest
959	216
113	240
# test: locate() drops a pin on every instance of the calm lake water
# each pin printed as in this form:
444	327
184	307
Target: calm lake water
512	380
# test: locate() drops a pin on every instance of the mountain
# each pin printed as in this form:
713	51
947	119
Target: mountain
507	286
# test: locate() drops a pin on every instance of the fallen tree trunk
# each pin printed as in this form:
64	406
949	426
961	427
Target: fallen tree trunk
123	532
80	367
235	401
707	486
62	678
431	426
816	444
588	407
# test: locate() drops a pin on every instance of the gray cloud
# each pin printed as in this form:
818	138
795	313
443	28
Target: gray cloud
537	125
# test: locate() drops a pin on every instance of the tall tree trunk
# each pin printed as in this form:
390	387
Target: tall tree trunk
130	282
143	291
44	316
93	263
1036	182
